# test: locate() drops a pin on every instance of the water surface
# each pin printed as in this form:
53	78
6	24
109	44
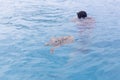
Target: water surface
26	25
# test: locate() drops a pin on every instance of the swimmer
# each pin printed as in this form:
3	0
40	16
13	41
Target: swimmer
82	19
59	41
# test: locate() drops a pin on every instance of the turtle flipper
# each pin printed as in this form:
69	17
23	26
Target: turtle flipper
52	50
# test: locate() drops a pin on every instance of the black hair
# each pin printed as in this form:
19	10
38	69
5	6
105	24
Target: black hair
82	14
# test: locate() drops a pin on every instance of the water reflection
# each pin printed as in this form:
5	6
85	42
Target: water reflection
85	38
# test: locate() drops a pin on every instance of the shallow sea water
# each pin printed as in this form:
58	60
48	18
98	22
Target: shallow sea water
26	25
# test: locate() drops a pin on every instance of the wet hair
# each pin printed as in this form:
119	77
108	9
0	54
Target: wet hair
81	14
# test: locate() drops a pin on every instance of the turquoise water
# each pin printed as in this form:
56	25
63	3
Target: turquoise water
26	25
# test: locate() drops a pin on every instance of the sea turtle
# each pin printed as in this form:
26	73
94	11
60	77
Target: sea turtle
59	41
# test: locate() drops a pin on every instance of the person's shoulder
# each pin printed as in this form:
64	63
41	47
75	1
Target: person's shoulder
74	19
90	18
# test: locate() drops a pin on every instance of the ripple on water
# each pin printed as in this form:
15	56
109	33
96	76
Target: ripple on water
27	25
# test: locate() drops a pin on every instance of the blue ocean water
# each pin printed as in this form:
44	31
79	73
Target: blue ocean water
26	25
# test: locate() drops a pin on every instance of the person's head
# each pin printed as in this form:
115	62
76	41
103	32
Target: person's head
81	14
